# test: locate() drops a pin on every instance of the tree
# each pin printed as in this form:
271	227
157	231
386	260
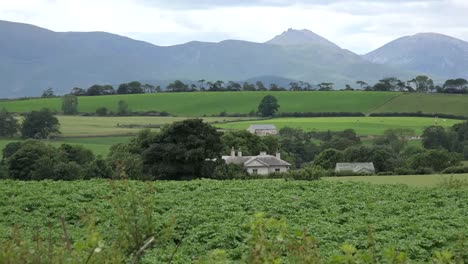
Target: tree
70	104
40	124
101	111
294	86
233	86
455	85
122	108
9	125
48	93
363	85
422	83
268	106
248	87
78	91
396	138
326	86
100	90
275	87
260	86
187	149
328	158
436	137
436	159
177	86
131	88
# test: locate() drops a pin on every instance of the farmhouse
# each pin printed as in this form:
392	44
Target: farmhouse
363	167
263	130
262	164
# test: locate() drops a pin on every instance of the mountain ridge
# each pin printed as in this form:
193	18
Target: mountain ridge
33	59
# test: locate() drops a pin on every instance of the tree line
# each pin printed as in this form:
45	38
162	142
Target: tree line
420	83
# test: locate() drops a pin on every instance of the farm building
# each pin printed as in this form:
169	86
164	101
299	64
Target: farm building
262	164
263	130
361	167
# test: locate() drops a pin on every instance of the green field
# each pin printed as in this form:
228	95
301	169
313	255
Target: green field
410	180
416	220
362	125
209	103
453	104
92	126
198	104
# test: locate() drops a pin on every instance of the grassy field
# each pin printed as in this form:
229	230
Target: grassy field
427	103
92	126
209	103
410	180
213	215
362	125
198	104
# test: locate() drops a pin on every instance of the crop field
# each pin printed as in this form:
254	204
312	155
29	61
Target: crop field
209	103
427	103
362	125
213	215
410	180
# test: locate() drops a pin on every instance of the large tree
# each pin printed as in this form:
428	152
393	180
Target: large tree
268	106
8	124
40	124
187	149
422	83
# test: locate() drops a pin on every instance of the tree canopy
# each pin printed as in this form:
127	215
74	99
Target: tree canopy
268	106
40	124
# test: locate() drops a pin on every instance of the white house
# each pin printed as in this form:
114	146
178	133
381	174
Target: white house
357	167
262	164
263	130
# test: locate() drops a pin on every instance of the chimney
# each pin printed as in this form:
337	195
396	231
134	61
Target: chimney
239	153
263	153
278	154
233	152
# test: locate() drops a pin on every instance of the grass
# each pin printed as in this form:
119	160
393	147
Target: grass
91	126
362	125
209	103
427	103
410	180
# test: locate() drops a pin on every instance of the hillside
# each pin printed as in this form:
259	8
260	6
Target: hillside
433	54
33	59
213	103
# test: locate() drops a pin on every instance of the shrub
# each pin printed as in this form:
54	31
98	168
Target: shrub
455	169
321	114
102	111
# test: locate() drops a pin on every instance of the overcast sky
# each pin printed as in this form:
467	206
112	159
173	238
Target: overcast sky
359	26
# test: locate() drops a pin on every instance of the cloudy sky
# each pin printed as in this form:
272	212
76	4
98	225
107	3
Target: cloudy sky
357	25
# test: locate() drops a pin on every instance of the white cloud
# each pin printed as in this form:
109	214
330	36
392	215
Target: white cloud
357	25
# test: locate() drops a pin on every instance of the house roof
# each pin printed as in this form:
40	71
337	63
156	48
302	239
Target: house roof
267	160
356	166
262	127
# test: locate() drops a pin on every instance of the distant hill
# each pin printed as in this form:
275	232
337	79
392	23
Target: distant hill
429	53
33	59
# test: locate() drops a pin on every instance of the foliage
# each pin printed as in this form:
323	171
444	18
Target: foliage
40	124
268	106
396	138
328	158
70	104
436	137
48	93
217	215
183	149
9	125
102	111
437	159
122	108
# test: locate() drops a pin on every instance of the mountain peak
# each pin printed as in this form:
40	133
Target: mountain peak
292	37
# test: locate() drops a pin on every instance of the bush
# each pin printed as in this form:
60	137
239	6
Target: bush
419	114
455	170
101	111
307	173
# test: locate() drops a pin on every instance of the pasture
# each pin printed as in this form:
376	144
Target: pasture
213	103
92	126
362	125
454	104
213	215
410	180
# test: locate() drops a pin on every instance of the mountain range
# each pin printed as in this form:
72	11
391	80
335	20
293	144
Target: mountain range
33	59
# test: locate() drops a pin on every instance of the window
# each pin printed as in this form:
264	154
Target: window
255	171
277	170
